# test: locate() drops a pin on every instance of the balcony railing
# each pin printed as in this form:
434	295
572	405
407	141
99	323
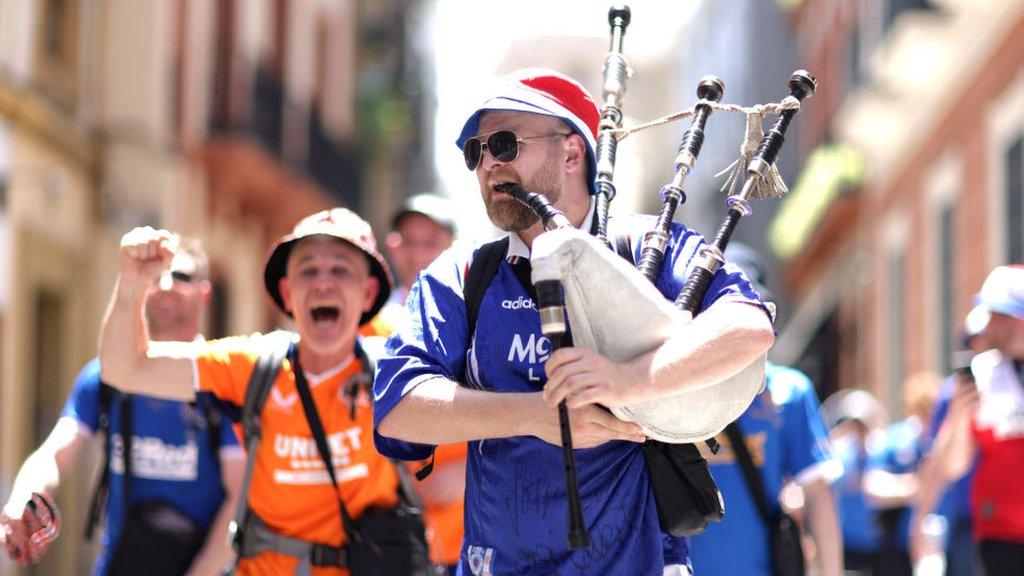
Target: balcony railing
254	105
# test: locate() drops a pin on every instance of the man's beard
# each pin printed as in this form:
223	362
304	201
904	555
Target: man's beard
511	216
515	216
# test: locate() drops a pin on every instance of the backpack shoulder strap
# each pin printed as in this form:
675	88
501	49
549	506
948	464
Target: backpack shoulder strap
275	346
751	476
99	493
274	349
481	272
214	423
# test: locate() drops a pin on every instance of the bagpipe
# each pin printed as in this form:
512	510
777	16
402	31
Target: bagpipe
614	308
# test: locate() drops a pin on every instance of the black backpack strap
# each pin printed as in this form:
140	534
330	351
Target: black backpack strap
99	493
481	272
126	449
275	347
317	428
751	475
261	381
214	424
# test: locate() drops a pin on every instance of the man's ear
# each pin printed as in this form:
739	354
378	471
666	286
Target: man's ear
576	153
284	288
205	292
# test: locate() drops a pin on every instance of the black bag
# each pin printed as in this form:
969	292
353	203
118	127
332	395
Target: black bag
107	394
383	542
156	537
787	551
389	542
783	531
684	490
156	540
685	493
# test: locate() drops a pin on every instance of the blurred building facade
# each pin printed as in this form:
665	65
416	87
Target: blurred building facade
749	45
912	187
226	120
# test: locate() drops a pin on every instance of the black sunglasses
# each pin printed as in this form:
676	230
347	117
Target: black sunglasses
180	276
503	145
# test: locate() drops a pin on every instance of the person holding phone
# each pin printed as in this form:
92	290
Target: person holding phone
986	423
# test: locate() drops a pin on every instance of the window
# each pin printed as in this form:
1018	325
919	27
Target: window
1014	199
58	35
222	103
947	323
50	311
821	360
56	66
895	321
854	73
1005	126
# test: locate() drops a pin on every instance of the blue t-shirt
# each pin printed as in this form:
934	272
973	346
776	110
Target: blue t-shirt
172	457
786	440
516	510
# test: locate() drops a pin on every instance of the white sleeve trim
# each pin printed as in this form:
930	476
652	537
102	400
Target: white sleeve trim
82	427
829	471
420	380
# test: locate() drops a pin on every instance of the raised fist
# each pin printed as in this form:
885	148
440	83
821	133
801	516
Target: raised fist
145	254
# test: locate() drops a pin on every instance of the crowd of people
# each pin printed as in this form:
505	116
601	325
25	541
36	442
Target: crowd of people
295	451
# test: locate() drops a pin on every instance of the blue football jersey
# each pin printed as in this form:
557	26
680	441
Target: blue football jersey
172	458
787	441
516	509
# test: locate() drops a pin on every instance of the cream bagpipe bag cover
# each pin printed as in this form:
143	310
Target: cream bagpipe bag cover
614	310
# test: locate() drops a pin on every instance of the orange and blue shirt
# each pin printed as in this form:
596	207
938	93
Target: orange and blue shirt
290	490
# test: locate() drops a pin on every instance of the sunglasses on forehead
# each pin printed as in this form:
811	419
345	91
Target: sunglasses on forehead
178	276
503	146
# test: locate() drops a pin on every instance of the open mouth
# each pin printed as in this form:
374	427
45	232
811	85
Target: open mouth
325	314
503	186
